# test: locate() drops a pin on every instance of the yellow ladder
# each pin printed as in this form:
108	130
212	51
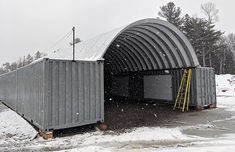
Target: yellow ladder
183	94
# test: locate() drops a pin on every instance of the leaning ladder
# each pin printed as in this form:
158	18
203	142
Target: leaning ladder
183	94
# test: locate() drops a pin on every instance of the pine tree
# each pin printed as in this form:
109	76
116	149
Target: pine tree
13	66
29	59
172	14
37	55
203	38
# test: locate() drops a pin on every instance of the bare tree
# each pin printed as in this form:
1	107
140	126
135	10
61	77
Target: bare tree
210	11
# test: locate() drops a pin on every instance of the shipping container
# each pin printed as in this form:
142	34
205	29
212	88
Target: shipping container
55	94
163	85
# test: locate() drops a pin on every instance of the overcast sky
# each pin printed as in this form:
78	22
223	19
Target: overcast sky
27	26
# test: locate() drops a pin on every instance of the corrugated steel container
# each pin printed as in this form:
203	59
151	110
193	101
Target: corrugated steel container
56	94
205	86
203	91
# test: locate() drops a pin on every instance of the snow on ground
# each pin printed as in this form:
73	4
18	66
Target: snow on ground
139	138
225	91
14	128
17	135
225	85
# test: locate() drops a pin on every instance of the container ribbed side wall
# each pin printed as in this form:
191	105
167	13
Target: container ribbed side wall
205	89
202	90
22	91
74	93
30	92
8	89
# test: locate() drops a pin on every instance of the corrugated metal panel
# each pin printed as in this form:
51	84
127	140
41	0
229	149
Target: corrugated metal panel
202	85
75	93
22	90
30	92
149	44
205	86
8	89
55	94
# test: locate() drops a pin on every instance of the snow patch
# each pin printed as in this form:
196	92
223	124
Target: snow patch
14	128
225	85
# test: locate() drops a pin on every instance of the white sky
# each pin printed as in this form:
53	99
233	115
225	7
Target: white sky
27	26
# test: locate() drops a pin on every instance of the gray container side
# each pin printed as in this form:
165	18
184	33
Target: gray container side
73	93
56	94
206	91
30	92
202	91
8	89
22	91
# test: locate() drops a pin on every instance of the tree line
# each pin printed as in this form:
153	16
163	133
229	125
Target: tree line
213	48
25	60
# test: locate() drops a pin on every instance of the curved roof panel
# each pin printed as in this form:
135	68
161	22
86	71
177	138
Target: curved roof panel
148	44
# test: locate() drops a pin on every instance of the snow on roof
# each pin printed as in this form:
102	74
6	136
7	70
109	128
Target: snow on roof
147	44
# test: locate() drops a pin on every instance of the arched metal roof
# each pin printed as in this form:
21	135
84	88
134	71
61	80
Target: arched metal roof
149	44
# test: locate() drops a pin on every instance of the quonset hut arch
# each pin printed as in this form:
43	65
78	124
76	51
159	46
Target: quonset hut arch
145	45
149	44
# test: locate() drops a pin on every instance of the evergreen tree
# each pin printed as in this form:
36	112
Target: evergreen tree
203	38
37	55
13	66
29	59
172	14
24	61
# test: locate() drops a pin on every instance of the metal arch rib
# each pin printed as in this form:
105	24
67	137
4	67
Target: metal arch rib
171	60
109	57
139	45
168	43
124	58
180	49
129	58
183	38
118	59
145	45
130	44
124	64
140	59
184	44
153	47
131	53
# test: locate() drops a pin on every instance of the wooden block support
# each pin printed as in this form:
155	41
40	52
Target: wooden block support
212	106
102	126
46	134
200	108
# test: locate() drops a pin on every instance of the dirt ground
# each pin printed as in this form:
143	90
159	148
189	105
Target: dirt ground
126	114
123	115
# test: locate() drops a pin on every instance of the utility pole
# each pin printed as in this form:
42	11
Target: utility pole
73	43
203	57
